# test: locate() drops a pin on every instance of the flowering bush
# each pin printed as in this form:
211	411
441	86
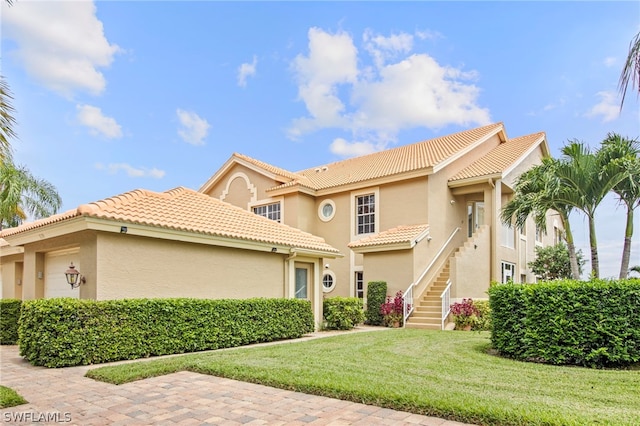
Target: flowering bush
393	310
465	314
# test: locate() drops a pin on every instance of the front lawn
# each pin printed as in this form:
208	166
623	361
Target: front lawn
10	398
443	374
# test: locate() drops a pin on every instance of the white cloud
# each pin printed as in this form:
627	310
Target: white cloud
609	61
608	107
344	148
98	124
332	61
60	44
131	171
246	70
403	91
384	48
194	129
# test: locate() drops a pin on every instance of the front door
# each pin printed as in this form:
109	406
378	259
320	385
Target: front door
475	216
302	283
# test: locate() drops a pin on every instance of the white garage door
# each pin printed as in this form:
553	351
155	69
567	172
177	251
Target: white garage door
55	265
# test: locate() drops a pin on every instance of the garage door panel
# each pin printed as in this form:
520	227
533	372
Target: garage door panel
55	282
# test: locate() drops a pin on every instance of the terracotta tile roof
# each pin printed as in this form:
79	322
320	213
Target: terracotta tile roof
398	235
190	211
500	158
407	158
268	167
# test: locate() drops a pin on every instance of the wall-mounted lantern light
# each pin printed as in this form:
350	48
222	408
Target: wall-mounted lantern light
74	279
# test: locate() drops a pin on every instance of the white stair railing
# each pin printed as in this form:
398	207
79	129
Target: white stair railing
407	296
445	298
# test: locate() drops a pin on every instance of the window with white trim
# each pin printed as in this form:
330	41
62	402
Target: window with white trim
270	211
539	234
328	281
366	214
359	278
508	272
508	236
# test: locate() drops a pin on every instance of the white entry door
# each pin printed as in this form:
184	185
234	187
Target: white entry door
55	265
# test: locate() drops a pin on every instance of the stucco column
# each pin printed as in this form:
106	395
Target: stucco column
495	195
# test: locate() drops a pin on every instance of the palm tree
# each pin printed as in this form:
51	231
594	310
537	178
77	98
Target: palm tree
583	180
626	154
7	121
534	197
631	70
22	194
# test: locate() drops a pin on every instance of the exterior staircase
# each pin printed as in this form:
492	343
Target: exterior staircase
427	312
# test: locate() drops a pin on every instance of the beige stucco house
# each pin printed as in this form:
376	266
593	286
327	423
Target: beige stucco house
422	217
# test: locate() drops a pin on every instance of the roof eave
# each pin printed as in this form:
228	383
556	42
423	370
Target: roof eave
376	248
233	160
474	180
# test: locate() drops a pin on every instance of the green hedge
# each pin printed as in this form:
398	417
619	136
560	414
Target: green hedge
342	313
9	316
67	332
376	296
595	323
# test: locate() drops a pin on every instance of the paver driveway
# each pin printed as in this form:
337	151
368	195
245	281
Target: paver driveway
65	396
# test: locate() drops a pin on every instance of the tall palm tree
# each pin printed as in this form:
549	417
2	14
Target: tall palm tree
535	197
7	121
626	154
631	70
22	194
584	179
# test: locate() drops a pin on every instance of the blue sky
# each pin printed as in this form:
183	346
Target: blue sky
114	96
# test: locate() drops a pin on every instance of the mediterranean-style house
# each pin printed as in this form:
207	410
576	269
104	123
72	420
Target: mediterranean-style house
423	217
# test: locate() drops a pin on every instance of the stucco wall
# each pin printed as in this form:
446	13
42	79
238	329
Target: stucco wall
11	277
470	268
133	267
241	186
394	267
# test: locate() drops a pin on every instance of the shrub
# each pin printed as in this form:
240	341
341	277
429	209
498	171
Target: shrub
393	310
342	313
483	320
595	323
465	314
376	294
67	332
9	316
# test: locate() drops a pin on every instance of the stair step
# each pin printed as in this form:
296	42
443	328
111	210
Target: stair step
423	326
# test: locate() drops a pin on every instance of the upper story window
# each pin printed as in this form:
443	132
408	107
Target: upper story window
508	236
539	234
270	211
365	214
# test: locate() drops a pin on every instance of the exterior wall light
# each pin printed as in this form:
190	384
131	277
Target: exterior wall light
74	279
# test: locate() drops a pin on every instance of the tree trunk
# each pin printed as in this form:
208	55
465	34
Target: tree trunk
626	251
573	259
595	265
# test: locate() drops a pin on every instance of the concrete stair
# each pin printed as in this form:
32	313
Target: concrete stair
428	310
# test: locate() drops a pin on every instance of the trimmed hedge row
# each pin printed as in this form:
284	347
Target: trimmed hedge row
595	323
342	313
376	296
68	332
9	316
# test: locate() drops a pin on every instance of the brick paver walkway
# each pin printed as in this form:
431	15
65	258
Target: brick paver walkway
65	396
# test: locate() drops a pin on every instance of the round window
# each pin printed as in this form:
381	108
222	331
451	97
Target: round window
327	210
328	281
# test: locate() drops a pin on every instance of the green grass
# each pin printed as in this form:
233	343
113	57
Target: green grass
450	375
10	398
